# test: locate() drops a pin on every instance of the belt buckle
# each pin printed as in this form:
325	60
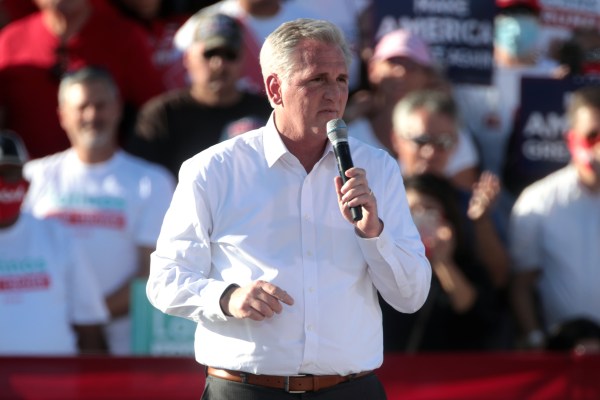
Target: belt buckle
286	383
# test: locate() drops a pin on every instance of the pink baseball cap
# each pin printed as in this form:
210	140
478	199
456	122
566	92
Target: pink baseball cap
402	43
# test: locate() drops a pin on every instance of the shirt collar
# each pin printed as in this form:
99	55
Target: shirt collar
274	148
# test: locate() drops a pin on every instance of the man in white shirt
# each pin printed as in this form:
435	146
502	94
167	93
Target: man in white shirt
260	249
554	231
50	302
111	201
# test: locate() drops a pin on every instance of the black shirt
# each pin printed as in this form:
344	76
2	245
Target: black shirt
174	127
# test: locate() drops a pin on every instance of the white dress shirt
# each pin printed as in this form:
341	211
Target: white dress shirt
555	226
246	210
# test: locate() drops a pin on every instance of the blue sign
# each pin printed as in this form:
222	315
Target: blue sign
459	32
537	146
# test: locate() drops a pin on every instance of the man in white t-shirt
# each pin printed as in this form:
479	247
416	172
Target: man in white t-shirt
554	231
50	303
113	202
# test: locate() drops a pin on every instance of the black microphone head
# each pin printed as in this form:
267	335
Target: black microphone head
337	131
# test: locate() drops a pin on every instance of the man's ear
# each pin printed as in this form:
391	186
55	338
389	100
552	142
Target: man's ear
61	118
194	50
273	88
185	60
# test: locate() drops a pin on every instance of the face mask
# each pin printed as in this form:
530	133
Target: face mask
427	222
581	150
11	198
516	34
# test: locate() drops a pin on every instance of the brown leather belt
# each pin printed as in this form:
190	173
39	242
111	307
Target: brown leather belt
291	384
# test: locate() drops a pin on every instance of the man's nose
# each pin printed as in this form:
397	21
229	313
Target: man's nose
90	112
427	150
399	71
216	62
334	91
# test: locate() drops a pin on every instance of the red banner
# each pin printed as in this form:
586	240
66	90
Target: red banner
420	377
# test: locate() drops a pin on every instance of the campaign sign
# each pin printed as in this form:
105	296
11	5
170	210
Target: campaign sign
571	14
459	32
537	146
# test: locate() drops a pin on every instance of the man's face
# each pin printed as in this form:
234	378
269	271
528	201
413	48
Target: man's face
90	114
216	70
316	91
424	142
584	142
398	76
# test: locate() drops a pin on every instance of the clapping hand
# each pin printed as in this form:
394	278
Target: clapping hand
485	193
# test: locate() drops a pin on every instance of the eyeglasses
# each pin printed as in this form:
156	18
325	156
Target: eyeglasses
225	54
442	142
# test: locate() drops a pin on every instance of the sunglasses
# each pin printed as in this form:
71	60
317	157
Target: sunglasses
442	142
225	54
591	139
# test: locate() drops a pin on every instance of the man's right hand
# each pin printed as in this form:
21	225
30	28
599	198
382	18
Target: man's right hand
257	301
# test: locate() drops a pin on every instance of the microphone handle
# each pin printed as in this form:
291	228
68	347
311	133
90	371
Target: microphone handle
344	162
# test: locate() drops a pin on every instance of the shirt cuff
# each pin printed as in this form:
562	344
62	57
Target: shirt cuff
373	248
229	288
213	293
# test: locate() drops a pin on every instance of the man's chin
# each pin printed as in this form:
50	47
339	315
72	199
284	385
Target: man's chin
94	140
217	86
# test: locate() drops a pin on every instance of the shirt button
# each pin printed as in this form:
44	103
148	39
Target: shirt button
309	327
311	289
309	253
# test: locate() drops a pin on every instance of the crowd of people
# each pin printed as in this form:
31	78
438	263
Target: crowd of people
119	117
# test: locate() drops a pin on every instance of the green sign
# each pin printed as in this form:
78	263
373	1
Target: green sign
156	333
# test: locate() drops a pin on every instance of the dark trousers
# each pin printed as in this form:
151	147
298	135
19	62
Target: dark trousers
364	388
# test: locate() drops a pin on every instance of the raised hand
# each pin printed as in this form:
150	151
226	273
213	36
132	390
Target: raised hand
485	193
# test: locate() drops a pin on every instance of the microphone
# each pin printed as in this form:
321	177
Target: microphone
337	132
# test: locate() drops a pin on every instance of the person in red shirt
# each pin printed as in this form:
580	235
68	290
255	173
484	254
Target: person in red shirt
65	35
159	20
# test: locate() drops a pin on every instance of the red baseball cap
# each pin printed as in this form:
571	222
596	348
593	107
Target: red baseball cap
533	4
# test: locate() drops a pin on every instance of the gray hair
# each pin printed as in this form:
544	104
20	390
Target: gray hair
277	52
87	75
432	101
